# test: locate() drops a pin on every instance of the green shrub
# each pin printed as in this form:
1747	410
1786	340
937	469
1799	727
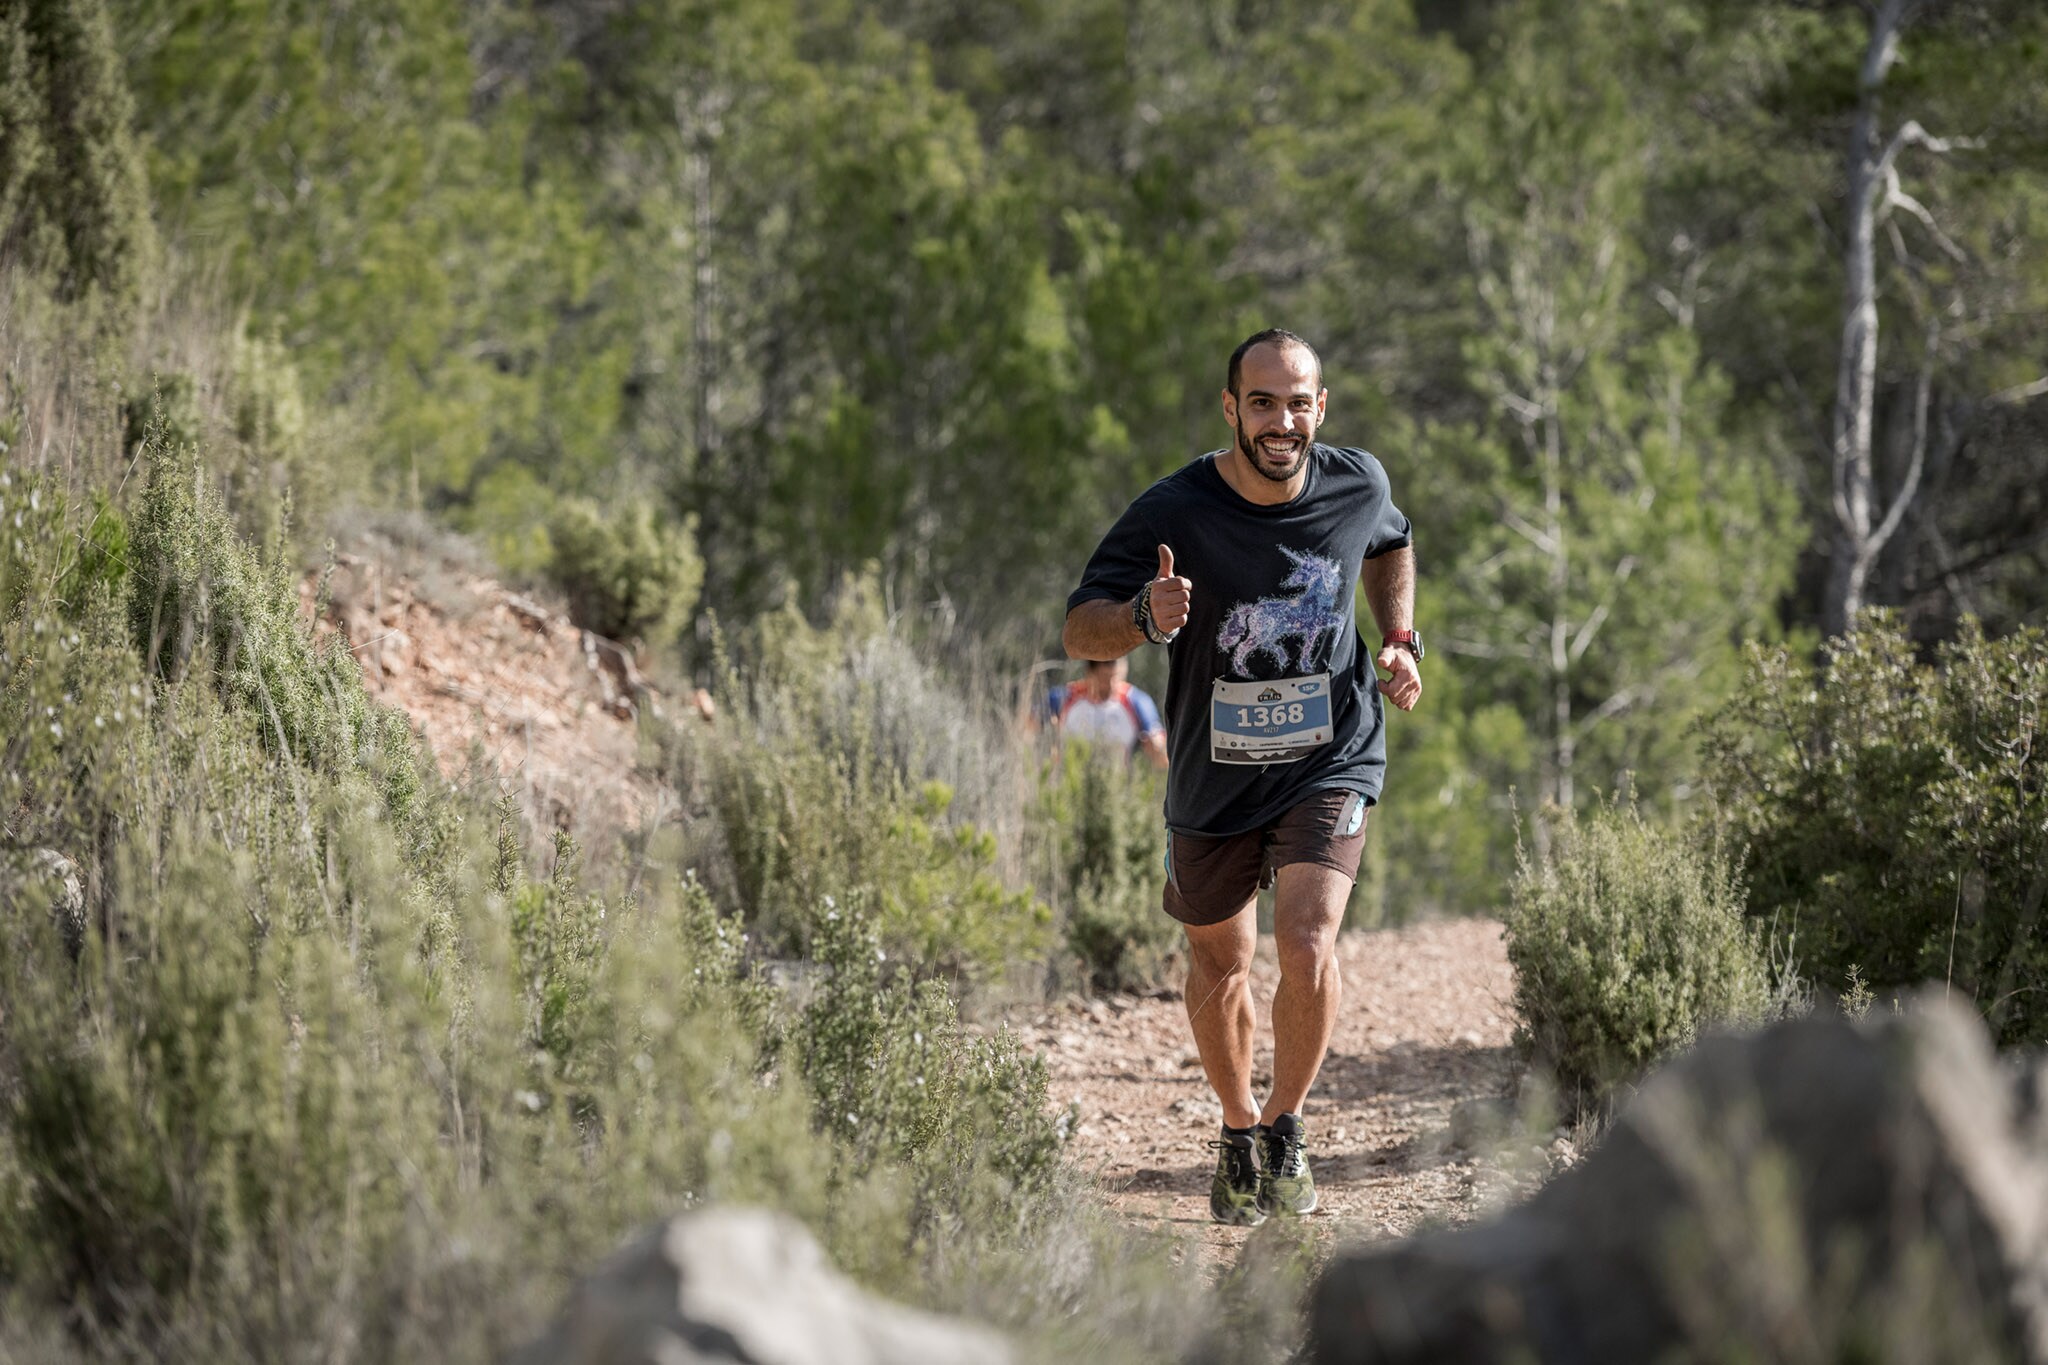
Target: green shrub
827	778
893	1073
1626	941
164	413
1102	840
73	190
73	698
1896	812
629	576
202	600
555	929
802	828
278	461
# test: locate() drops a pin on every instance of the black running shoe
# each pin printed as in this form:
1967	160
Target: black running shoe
1285	1185
1234	1193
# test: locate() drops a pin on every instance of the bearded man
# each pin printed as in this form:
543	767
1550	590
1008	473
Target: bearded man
1243	563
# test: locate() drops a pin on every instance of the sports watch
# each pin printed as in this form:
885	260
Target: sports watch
1141	617
1411	638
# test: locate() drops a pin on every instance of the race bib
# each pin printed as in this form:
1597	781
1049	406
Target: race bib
1282	721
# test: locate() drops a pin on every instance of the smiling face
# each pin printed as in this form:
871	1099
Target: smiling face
1276	409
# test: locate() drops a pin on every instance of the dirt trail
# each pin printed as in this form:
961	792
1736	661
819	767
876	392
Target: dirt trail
1426	1023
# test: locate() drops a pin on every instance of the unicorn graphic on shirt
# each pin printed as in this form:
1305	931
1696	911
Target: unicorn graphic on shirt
1312	618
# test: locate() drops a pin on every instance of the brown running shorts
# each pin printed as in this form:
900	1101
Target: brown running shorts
1209	880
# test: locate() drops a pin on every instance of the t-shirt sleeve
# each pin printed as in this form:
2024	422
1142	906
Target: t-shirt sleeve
1391	530
1147	713
1124	562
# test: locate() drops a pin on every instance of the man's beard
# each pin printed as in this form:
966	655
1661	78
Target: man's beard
1250	450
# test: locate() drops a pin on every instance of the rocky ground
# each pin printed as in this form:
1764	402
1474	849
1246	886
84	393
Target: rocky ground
488	674
1425	1030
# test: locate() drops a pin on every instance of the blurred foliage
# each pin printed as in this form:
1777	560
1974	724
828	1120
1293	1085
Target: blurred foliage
896	1077
74	199
846	766
1443	839
1895	813
629	577
1097	821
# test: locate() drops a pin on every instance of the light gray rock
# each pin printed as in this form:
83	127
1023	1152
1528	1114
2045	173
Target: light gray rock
1820	1191
744	1285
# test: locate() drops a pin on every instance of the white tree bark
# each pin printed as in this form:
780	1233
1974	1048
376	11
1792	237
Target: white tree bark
1864	521
1521	294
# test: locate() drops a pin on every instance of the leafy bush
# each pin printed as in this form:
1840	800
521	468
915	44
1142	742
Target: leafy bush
629	576
827	781
1896	812
1099	828
240	398
200	599
76	196
1626	940
894	1074
803	829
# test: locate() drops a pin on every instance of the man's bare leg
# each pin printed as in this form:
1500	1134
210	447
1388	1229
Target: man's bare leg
1308	907
1219	1001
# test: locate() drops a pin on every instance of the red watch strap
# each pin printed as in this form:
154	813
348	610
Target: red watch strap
1398	637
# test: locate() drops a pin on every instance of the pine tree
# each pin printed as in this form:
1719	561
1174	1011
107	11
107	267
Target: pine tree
1611	534
73	198
21	133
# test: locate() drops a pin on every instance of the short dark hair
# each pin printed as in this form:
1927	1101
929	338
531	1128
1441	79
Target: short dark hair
1279	336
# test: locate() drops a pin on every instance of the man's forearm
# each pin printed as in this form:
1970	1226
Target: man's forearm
1101	630
1389	583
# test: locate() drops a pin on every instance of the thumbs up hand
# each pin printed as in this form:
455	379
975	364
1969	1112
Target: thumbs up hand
1170	595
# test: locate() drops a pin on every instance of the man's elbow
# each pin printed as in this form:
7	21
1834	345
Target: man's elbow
1067	637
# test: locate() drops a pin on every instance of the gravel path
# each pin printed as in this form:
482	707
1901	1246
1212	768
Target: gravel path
1426	1023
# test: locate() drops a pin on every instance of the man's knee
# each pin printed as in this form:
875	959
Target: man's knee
1307	913
1219	956
1306	951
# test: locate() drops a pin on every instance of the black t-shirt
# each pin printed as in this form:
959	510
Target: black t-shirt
1275	598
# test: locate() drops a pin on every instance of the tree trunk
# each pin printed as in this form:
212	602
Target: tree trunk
1564	741
1856	544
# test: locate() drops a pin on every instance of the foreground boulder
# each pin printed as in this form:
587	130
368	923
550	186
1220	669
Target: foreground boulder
1821	1191
732	1285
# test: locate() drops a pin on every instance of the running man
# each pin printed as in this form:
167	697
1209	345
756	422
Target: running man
1105	710
1243	562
